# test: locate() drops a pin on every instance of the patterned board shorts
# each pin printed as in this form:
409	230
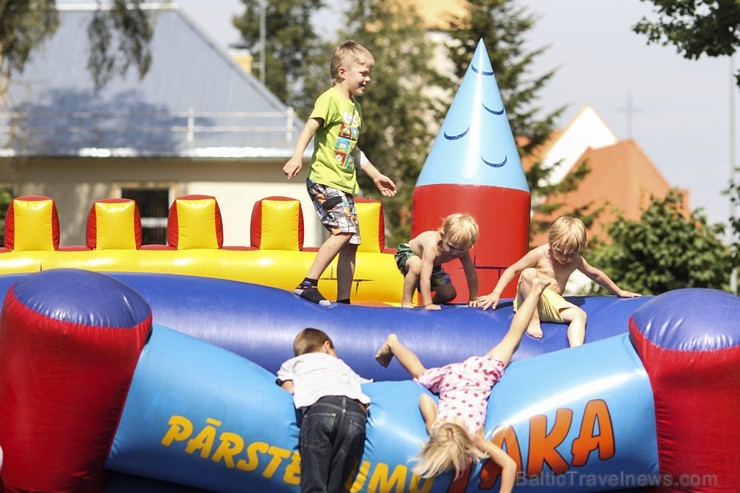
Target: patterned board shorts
336	209
439	276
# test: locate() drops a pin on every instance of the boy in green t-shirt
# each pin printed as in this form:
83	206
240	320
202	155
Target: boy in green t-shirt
335	125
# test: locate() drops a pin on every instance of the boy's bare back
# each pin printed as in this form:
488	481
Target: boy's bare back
428	247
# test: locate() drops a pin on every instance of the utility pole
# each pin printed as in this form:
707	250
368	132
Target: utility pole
263	37
733	193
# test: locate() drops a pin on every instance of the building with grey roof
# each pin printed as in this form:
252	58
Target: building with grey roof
196	123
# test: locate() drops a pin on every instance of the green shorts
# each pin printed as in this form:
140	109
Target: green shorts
439	276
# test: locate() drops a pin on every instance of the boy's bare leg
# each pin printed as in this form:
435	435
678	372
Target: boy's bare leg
410	281
525	289
346	270
577	327
328	250
408	359
520	323
308	288
444	294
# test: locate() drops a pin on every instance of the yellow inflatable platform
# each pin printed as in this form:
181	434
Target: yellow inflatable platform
276	256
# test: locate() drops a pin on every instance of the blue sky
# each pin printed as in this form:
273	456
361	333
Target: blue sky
682	109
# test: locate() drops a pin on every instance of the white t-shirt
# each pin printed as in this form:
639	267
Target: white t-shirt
317	375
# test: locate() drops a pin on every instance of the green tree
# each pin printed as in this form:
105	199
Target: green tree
6	197
119	36
694	27
665	250
397	140
296	56
503	26
734	193
26	24
23	27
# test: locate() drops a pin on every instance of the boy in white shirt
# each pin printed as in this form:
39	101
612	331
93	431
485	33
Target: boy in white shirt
334	409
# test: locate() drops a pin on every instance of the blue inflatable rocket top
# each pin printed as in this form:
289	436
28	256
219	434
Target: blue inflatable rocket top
475	145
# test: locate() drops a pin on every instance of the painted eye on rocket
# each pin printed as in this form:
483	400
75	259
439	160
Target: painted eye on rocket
482	72
494	165
498	113
455	137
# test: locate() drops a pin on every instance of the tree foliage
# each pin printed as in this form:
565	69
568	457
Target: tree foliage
26	24
503	26
400	102
119	37
407	97
296	56
665	250
6	197
694	27
734	193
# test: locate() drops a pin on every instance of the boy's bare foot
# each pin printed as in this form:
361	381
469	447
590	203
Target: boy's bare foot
535	331
385	353
407	305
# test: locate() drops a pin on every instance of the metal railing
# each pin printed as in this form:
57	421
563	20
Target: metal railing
189	124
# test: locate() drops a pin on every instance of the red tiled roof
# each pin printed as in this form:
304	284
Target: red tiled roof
622	178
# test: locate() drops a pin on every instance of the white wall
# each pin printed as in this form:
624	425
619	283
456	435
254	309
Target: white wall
75	184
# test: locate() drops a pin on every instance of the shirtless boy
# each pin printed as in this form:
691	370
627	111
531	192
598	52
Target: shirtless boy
420	261
554	261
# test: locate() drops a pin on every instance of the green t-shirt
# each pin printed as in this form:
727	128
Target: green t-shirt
332	162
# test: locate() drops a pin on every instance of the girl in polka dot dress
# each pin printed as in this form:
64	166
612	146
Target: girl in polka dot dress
455	425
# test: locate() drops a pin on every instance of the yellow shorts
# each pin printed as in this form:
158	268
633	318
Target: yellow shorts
549	307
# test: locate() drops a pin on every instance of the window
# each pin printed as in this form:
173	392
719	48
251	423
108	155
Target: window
153	204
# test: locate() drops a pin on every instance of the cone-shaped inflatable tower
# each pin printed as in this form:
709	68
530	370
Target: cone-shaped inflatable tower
474	167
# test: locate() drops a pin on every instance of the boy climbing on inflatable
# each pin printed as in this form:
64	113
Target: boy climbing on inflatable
420	261
554	261
456	424
324	387
335	126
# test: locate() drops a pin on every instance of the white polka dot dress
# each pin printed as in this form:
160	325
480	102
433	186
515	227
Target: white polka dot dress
464	388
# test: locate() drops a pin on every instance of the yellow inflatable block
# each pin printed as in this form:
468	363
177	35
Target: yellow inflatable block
198	223
34	225
370	217
280	224
115	225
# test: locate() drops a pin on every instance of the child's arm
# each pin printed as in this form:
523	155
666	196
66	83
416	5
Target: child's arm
385	185
497	455
600	278
428	409
472	277
295	163
286	385
491	300
428	255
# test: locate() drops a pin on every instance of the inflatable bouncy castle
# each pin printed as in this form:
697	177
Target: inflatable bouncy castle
96	391
157	373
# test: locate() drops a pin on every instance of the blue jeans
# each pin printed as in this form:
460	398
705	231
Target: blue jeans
332	441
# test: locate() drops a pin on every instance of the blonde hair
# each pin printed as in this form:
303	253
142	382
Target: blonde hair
310	340
461	229
568	234
349	51
448	448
